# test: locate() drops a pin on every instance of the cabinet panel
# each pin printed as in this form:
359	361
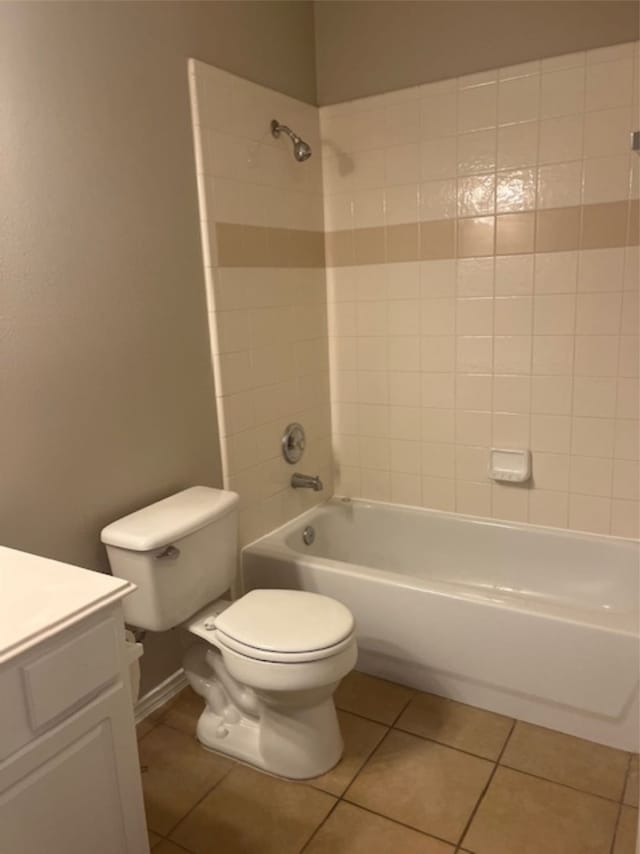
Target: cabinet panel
77	789
68	805
71	673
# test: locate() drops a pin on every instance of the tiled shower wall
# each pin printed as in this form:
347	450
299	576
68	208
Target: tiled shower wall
482	271
262	224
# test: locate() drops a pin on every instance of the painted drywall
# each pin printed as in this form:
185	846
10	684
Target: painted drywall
106	383
368	48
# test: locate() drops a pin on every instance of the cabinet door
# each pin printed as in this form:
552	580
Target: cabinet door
67	792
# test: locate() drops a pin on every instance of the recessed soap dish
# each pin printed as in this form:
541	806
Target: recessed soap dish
510	465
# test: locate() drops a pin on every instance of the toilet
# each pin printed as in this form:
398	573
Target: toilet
266	664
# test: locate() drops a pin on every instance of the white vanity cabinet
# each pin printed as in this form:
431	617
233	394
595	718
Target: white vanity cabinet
69	772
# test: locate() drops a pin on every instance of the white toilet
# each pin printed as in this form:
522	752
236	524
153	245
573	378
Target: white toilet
267	664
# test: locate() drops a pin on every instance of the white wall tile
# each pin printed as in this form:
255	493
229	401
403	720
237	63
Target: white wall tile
536	350
517	145
562	92
560	185
556	272
519	99
609	84
514	275
561	139
477	107
477	152
606	132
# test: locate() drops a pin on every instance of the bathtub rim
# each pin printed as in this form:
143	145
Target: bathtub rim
274	545
447	514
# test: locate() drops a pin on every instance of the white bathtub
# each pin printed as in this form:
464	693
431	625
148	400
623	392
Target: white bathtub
534	623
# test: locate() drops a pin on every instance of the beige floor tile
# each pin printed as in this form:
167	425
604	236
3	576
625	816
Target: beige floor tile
252	812
371	697
144	727
565	759
178	773
631	789
184	711
420	783
361	737
350	830
167	847
154	839
627	832
526	815
456	724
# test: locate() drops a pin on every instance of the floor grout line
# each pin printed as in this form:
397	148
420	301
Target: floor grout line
619	816
486	788
397	821
198	802
363	717
557	783
446	744
322	823
404	708
626	778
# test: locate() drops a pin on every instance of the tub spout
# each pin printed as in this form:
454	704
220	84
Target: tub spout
306	481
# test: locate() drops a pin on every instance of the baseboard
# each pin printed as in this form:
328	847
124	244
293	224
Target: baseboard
159	695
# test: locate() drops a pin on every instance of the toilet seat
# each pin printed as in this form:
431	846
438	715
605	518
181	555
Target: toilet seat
288	626
227	643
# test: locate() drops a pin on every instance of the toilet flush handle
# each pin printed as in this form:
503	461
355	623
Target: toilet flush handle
169	553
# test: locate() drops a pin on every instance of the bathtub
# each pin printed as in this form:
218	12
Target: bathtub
535	623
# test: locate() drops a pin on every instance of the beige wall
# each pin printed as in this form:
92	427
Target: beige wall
106	386
483	282
262	217
364	48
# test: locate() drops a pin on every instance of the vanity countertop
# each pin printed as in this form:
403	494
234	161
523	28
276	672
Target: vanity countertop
40	597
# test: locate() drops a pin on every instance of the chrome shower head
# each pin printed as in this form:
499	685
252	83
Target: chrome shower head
301	149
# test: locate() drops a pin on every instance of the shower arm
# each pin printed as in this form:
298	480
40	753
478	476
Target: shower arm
277	129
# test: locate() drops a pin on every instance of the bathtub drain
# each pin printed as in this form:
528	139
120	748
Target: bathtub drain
308	535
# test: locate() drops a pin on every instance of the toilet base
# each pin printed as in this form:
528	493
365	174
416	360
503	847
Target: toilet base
292	734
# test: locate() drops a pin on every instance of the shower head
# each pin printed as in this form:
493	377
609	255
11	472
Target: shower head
301	149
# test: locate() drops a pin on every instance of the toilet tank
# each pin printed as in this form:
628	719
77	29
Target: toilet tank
181	553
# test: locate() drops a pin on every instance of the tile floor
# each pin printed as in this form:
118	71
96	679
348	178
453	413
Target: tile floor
420	775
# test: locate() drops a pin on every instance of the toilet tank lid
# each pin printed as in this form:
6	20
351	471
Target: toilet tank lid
167	520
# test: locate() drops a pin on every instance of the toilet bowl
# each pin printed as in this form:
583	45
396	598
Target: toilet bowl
267	664
267	670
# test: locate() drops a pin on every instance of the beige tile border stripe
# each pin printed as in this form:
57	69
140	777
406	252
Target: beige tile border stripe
601	226
260	246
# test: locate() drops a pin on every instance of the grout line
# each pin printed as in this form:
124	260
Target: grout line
612	847
626	778
199	801
450	746
557	783
396	821
142	737
486	788
403	709
619	816
343	796
322	823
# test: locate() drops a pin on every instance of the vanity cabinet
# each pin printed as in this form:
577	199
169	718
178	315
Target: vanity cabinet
69	771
